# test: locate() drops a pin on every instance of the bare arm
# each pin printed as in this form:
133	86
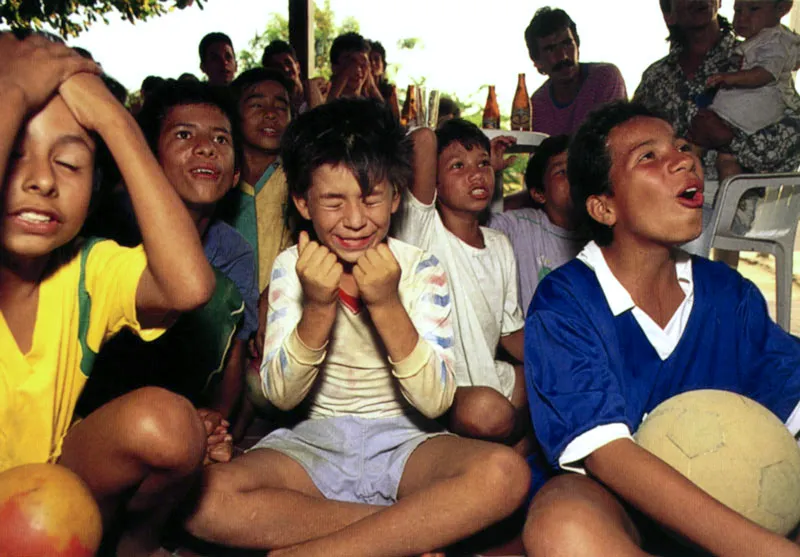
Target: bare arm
514	344
30	73
425	165
229	391
178	276
653	487
744	79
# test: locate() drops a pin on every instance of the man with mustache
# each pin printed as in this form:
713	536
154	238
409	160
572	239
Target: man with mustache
573	89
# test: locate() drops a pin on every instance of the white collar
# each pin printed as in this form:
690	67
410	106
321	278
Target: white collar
618	298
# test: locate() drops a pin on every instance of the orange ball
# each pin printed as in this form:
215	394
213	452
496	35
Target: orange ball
46	509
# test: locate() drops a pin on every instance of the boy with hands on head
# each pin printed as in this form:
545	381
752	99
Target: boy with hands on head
60	299
360	334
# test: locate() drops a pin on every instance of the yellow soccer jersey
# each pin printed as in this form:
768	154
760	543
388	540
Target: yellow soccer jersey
38	390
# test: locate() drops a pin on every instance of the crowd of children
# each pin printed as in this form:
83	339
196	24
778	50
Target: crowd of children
432	369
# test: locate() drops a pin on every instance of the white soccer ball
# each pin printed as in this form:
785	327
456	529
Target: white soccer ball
734	449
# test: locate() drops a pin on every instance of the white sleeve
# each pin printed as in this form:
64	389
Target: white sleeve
289	367
416	222
587	443
513	318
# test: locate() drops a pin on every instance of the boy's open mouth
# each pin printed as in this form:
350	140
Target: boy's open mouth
692	196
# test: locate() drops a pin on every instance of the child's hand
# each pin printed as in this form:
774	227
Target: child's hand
377	275
38	66
317	90
718	80
319	272
219	444
498	149
89	100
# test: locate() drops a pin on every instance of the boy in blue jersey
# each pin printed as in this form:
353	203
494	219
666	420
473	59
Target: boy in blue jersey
628	324
360	336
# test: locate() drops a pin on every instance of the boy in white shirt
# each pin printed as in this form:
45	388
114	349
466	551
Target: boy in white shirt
453	186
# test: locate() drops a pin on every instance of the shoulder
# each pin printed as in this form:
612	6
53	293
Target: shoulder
99	251
495	238
603	70
718	281
222	235
567	289
542	94
411	258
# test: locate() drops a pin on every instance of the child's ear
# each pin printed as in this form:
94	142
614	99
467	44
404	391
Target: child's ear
236	175
301	204
601	209
538	197
395	200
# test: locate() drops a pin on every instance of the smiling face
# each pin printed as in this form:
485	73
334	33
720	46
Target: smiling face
265	113
749	18
344	220
657	185
376	64
465	178
48	184
195	149
285	63
558	56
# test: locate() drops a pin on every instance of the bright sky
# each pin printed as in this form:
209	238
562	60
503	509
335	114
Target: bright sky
463	47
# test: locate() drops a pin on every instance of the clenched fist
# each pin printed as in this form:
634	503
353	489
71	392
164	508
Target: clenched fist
319	272
377	275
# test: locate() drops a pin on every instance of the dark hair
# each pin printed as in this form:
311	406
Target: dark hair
211	38
448	106
254	76
376	46
83	52
466	133
545	22
173	93
347	42
360	134
537	166
589	162
277	47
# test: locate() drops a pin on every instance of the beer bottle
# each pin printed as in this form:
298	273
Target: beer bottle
521	107
491	113
394	105
409	115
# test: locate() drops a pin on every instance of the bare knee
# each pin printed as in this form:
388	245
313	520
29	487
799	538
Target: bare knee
482	413
575	516
163	429
501	477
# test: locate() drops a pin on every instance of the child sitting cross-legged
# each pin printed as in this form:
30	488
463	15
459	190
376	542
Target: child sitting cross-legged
62	297
359	332
453	186
630	323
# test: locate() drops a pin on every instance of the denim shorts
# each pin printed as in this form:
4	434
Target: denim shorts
354	459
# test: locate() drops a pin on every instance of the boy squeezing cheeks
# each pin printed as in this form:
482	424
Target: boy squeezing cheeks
61	298
630	323
360	332
453	186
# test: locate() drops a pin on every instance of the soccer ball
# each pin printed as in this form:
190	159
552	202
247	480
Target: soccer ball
734	449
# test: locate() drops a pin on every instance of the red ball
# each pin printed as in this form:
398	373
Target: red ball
46	509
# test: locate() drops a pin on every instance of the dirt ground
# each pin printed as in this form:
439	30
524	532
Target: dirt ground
760	268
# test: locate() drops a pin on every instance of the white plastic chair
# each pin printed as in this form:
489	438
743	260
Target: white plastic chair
773	229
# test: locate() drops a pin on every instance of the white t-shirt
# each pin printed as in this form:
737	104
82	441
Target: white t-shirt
777	50
352	374
483	283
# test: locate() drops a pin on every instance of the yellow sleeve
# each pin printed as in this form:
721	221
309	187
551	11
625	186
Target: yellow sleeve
112	277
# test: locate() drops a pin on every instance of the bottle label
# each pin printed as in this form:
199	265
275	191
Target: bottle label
521	119
491	123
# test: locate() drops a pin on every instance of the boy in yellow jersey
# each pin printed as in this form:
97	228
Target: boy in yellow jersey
62	297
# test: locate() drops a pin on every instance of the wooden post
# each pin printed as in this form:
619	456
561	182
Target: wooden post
301	33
